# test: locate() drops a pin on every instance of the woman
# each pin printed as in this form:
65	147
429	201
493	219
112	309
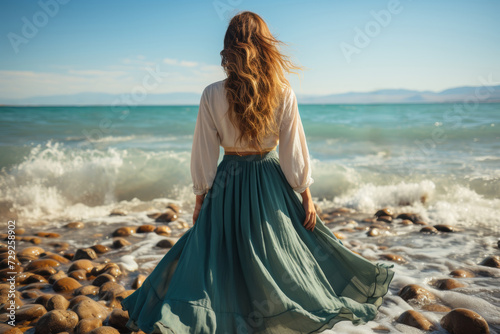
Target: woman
257	259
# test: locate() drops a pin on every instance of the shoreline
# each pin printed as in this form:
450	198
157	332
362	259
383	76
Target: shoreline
98	263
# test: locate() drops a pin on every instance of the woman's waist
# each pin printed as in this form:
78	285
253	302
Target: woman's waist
250	155
246	151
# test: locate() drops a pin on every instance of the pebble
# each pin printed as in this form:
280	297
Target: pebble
387	219
85	253
420	222
86	290
57	302
429	229
100	249
385	212
33	240
491	261
174	207
339	235
138	281
30	312
75	225
165	243
120	242
44	299
87	265
415	319
48	234
147	228
168	216
90	309
57	257
445	228
42	263
65	284
375	232
394	258
108	268
35	279
406	222
462	273
59	246
118	318
464	321
56	321
110	289
410	216
448	284
33	250
56	276
105	330
103	278
123	231
79	275
163	230
86	325
417	293
45	271
31	294
22	277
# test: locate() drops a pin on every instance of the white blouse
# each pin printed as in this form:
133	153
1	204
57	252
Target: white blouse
214	129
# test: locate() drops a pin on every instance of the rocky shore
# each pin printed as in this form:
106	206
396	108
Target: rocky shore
57	287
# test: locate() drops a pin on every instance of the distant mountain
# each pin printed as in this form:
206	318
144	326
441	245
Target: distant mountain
181	98
457	94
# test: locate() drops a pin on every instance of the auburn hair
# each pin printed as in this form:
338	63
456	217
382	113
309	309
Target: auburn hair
255	70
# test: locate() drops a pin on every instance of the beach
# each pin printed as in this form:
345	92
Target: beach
414	185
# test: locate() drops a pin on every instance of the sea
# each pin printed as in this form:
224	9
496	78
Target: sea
442	161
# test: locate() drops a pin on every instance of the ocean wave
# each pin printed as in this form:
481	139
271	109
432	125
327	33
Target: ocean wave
55	181
53	178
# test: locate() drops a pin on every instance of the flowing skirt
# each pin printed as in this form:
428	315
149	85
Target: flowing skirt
248	265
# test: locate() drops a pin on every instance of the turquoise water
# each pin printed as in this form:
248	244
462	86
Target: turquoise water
54	157
61	164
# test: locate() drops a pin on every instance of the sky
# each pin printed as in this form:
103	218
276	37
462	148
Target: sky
64	47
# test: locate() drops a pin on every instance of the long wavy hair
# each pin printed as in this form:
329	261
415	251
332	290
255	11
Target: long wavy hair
255	70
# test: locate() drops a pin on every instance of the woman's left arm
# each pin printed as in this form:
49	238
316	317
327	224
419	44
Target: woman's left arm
204	153
197	207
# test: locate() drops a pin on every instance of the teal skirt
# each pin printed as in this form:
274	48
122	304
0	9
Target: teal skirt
248	265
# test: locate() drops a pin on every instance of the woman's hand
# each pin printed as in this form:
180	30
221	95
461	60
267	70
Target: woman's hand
197	207
307	203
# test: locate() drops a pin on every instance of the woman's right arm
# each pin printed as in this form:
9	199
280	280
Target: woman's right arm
310	209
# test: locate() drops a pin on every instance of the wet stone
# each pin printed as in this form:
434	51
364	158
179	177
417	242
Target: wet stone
415	319
464	321
85	253
56	321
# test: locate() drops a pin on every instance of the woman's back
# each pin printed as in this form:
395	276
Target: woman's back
218	108
214	129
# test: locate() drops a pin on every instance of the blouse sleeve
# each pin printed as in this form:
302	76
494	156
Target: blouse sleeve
205	149
293	151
